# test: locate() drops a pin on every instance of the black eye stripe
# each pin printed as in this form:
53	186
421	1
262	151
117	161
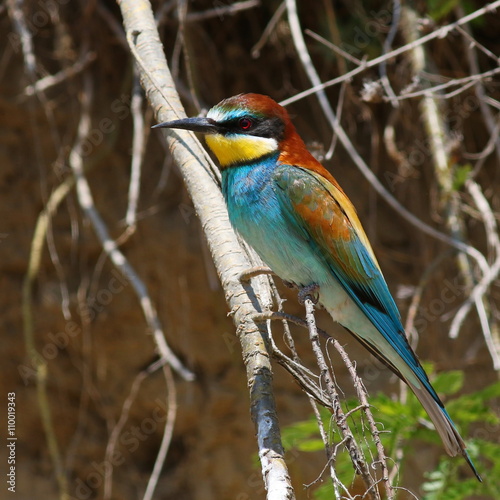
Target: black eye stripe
260	127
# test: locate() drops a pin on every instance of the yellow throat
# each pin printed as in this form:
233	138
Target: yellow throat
231	149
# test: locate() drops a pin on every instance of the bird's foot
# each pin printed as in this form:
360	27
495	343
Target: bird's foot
309	292
248	274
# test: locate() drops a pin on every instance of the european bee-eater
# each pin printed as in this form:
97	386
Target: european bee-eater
293	212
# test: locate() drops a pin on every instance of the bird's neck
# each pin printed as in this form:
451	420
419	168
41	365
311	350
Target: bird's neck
293	151
246	182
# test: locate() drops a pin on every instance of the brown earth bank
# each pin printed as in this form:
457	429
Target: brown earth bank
88	324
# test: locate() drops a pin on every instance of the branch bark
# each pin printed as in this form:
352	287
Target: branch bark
229	257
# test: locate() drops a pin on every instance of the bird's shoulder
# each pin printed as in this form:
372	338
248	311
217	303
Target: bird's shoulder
319	200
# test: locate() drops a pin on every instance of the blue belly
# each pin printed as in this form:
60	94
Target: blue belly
255	212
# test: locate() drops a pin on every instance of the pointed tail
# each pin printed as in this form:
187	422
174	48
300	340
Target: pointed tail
452	441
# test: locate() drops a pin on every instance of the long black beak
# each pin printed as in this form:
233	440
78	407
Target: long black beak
203	125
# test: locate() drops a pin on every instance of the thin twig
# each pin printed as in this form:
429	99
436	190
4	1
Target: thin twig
63	75
477	295
109	245
118	427
305	59
355	451
439	33
332	46
113	23
39	362
472	41
167	433
365	406
396	16
438	136
225	10
466	81
136	106
15	10
182	7
303	376
255	51
489	119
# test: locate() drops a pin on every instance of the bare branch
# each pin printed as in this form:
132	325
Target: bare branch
51	80
109	245
439	33
489	119
477	295
355	452
137	151
365	406
225	10
40	367
229	258
305	58
122	420
332	46
15	10
167	433
269	29
396	16
466	82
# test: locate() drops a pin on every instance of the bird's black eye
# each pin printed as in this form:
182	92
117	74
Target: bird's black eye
245	123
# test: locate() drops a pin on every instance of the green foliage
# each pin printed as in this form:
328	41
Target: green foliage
441	8
461	174
303	436
438	9
401	426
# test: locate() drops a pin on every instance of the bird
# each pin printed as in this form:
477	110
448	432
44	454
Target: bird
294	214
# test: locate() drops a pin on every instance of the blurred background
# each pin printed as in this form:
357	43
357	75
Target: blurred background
70	319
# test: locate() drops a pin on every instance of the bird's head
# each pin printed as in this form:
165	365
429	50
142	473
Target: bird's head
243	129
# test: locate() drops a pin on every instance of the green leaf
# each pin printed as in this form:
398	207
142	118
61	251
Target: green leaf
441	8
461	174
401	425
309	445
324	492
448	382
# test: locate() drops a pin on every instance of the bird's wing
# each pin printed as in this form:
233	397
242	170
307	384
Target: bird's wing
327	219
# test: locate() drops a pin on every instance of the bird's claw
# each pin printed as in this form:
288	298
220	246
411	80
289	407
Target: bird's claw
309	292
